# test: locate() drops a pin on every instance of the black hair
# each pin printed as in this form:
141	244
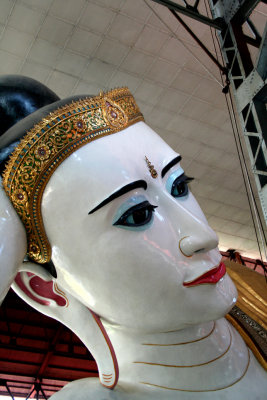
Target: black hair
20	96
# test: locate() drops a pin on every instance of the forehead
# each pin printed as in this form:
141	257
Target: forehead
129	147
109	163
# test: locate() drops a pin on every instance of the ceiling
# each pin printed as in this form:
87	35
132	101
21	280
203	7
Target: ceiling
84	46
36	348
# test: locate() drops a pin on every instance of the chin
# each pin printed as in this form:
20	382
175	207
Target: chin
223	296
210	302
227	294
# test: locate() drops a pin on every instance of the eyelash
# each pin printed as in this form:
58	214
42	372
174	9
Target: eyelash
181	181
141	214
142	210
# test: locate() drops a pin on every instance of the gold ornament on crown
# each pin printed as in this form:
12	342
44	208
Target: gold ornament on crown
49	143
151	168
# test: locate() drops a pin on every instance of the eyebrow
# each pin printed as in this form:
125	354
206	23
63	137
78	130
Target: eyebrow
120	192
170	165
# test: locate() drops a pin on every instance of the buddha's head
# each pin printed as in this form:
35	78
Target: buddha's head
128	236
104	198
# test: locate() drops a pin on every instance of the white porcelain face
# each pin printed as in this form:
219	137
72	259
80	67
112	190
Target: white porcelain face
128	260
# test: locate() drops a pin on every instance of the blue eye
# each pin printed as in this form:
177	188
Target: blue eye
180	186
136	216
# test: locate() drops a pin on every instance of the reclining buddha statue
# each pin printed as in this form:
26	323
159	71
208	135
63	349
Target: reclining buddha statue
103	234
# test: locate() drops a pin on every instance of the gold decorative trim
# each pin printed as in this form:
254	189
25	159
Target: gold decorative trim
49	143
201	391
182	343
61	293
249	342
188	366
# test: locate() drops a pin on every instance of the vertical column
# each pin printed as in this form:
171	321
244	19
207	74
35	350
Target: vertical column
247	83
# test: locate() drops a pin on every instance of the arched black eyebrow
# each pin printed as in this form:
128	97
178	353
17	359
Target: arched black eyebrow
120	192
169	165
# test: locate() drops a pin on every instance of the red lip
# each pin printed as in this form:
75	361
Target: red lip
212	276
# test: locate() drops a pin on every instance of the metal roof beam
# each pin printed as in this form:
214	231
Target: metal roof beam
262	56
192	12
194	36
248	82
4	383
244	11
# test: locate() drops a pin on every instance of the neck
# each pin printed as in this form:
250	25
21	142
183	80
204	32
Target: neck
183	360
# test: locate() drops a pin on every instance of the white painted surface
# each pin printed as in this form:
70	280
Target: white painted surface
78	47
13	244
161	332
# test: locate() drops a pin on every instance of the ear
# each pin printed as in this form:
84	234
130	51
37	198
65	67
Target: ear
39	289
13	243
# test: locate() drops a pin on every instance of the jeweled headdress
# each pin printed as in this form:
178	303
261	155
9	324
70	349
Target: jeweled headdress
49	143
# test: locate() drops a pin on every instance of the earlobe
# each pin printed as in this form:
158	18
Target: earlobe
39	289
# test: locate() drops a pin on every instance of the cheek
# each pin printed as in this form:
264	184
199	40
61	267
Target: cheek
119	256
117	262
192	205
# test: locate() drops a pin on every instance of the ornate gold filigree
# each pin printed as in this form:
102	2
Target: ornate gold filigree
42	152
49	143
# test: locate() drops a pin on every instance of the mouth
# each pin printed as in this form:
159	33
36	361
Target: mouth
213	276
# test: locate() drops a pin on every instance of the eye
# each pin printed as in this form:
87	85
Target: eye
180	186
138	215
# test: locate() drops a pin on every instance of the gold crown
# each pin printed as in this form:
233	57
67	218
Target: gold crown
49	143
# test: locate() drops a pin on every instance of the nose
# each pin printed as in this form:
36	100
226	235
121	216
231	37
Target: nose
187	219
203	240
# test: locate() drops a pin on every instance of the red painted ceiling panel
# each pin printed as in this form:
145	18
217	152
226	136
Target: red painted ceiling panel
27	354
